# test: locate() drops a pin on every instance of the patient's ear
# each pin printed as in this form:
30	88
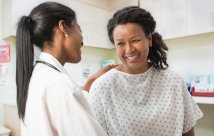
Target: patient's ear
149	37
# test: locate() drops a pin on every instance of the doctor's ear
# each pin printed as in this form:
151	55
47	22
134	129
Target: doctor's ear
63	27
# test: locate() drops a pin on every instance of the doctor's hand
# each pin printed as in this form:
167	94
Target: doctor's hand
92	78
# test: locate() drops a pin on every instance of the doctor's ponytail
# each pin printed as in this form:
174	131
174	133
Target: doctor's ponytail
24	61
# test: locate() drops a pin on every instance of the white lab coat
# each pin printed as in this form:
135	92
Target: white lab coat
56	106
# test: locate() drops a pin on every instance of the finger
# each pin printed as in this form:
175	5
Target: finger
110	66
113	65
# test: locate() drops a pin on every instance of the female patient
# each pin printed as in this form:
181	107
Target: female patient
141	97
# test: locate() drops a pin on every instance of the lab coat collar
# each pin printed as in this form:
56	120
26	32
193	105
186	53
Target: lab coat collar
52	60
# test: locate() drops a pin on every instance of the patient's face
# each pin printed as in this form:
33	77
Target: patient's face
132	46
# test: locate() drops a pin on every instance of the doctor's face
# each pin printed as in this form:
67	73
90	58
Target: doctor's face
132	45
73	44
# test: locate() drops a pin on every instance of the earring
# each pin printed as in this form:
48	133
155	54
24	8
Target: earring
66	34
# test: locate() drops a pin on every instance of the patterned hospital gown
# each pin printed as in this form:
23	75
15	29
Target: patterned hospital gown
154	103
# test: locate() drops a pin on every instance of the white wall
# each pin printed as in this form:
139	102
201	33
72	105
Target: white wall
192	55
119	4
105	4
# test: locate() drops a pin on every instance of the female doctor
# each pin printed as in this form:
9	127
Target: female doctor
49	102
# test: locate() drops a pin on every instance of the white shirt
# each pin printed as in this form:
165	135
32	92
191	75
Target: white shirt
56	106
154	103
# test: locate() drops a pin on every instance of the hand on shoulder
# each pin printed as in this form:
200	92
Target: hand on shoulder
100	72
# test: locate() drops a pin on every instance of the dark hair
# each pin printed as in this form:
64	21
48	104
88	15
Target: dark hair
134	14
36	29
